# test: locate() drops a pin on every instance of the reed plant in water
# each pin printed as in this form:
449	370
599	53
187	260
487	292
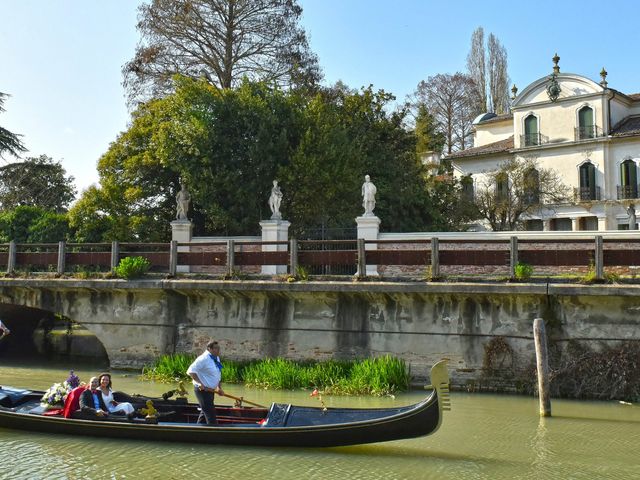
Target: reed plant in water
375	376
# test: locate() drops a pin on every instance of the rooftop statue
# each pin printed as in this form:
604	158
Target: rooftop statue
368	196
274	201
183	198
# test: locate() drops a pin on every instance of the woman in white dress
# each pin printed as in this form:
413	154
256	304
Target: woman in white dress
122	408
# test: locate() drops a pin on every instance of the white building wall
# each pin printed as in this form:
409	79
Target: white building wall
493	132
619	111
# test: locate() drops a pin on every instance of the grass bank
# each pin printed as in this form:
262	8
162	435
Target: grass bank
373	376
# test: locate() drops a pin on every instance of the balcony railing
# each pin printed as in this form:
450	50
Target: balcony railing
586	194
532	139
627	191
587	132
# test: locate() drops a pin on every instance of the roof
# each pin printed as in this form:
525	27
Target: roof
628	127
498	118
634	96
495	147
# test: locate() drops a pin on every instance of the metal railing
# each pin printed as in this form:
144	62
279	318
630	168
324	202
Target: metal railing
586	194
469	252
627	191
588	131
533	139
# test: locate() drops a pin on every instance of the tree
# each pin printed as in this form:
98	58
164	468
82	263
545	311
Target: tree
477	71
223	41
498	76
429	137
447	97
9	142
516	189
29	224
38	182
487	67
228	145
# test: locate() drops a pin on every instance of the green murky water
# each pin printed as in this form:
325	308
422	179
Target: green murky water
483	437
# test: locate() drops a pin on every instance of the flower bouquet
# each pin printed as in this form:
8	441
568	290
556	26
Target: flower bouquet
57	393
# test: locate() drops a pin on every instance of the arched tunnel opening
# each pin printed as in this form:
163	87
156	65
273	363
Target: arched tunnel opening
43	336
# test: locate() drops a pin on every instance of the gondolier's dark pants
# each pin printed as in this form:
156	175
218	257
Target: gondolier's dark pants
207	410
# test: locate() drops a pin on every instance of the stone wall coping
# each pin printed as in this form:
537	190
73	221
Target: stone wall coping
224	239
472	236
334	286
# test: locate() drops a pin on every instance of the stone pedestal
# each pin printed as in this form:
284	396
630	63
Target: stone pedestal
603	225
368	228
182	232
274	231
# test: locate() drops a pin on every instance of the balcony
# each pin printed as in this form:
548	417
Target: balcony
627	192
532	139
587	132
586	194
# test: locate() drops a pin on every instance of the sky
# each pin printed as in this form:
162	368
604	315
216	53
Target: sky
61	61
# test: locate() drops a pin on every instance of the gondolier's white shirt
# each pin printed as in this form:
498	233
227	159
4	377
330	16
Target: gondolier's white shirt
206	370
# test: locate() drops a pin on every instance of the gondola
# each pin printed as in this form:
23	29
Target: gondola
280	425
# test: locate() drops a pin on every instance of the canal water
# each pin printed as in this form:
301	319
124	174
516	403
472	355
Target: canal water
483	437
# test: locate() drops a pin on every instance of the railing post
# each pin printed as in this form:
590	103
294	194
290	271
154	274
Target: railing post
115	255
513	255
61	257
293	254
173	257
435	257
231	263
599	258
11	261
362	262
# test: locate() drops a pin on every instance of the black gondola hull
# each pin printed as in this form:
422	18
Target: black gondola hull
408	422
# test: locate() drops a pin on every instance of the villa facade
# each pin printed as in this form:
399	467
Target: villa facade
586	131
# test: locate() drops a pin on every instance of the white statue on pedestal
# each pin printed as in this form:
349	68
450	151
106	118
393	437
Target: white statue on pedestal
368	196
275	200
183	198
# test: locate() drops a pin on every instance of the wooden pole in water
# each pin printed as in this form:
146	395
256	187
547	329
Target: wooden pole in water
542	364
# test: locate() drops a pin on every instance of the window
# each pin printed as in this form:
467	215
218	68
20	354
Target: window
588	182
586	128
628	187
502	187
561	224
531	190
531	134
533	225
467	188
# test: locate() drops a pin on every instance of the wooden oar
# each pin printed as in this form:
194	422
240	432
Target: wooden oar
241	400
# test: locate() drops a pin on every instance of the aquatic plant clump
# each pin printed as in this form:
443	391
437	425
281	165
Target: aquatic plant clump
376	376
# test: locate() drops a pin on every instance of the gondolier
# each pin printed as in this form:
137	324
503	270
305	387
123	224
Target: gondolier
206	372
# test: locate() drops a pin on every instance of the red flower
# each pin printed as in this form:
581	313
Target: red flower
314	393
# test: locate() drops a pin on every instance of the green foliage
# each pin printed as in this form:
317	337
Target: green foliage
229	144
9	142
378	376
523	271
28	224
132	267
429	138
590	276
36	182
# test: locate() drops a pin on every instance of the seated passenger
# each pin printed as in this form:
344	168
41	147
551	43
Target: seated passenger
72	402
92	406
118	408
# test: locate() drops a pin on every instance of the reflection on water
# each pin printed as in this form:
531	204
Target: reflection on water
483	437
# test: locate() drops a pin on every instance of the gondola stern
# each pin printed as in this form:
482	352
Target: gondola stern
440	383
